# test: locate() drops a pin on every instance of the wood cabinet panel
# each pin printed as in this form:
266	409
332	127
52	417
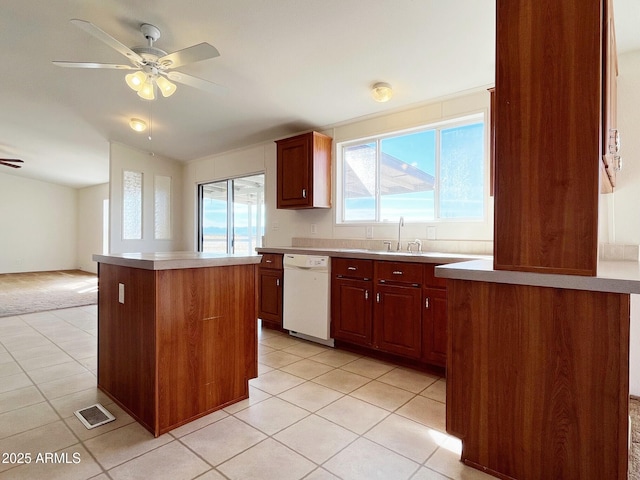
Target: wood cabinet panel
397	320
434	326
538	387
352	268
304	171
399	272
547	135
270	296
351	319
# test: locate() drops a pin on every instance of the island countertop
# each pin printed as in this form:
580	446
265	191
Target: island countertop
613	276
175	260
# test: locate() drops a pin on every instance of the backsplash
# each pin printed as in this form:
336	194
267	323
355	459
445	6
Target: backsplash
619	252
443	246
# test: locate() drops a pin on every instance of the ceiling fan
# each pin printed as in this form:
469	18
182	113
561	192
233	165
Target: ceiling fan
154	66
11	162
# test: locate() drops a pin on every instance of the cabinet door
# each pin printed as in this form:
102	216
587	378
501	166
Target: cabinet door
294	175
434	326
397	320
351	310
270	296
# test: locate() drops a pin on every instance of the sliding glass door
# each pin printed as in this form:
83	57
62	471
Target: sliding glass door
231	215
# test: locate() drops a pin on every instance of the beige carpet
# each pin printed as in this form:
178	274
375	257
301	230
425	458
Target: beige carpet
31	292
634	453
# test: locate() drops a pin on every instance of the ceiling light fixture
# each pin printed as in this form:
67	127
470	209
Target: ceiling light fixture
381	92
138	125
144	82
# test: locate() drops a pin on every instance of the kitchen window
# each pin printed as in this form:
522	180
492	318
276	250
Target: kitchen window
231	215
435	173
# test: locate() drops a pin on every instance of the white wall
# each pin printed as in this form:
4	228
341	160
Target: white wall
90	231
38	224
126	158
283	225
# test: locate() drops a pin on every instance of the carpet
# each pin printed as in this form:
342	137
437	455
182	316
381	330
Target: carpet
31	292
634	452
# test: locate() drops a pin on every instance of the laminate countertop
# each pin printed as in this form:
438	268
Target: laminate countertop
401	256
613	276
175	260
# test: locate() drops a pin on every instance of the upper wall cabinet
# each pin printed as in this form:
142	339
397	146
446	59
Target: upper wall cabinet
304	171
548	134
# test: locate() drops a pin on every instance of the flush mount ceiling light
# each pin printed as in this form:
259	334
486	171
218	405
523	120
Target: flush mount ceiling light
381	92
138	125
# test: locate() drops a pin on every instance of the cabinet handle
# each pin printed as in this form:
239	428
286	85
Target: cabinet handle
268	261
426	302
352	268
366	294
378	297
277	282
397	272
304	193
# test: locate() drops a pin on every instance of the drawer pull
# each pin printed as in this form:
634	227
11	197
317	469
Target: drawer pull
268	261
397	272
352	268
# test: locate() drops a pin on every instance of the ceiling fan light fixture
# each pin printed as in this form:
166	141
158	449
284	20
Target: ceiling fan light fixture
138	124
166	87
381	92
136	80
148	90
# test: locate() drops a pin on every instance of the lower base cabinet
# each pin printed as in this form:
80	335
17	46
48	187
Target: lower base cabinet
399	308
270	277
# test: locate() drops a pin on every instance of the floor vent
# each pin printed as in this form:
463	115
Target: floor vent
94	416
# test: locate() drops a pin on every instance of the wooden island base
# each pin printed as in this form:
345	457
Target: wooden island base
183	343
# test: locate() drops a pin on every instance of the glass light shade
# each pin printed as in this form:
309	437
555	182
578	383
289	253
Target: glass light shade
148	90
166	87
138	125
381	92
136	80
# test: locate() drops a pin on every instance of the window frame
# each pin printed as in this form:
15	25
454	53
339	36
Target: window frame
458	121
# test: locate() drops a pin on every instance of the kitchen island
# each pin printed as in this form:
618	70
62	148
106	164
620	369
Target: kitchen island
538	370
176	333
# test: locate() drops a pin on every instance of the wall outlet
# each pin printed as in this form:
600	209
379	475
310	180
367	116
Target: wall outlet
431	233
369	232
275	226
121	292
314	229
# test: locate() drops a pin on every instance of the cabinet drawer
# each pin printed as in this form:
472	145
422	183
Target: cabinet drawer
399	272
430	279
271	260
351	267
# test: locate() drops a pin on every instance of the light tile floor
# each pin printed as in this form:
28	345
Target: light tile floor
314	413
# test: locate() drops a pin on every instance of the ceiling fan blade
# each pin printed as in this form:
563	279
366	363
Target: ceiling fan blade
101	35
6	162
196	82
95	65
195	53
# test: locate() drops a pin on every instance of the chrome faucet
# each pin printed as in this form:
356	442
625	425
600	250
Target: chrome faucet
400	224
417	242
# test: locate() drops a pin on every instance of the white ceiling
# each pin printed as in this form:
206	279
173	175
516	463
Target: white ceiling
289	65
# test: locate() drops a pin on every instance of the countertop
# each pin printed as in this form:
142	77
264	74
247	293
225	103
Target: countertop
613	276
175	260
402	256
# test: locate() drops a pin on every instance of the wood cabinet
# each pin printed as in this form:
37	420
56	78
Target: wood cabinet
548	134
610	133
397	316
434	318
179	344
538	380
270	277
304	171
351	300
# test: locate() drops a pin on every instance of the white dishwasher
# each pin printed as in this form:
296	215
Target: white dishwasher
306	302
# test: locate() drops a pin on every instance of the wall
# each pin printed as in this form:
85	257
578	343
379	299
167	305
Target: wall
38	225
123	158
282	226
90	229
